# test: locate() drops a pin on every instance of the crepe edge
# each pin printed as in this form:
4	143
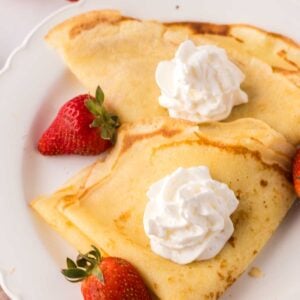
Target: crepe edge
71	28
130	134
87	21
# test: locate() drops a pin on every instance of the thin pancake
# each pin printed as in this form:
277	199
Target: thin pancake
121	54
104	205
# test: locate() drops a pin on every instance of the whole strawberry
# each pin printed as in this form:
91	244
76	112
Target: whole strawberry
82	126
296	172
108	278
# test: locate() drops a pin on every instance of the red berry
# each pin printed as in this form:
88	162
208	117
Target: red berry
82	126
296	172
108	278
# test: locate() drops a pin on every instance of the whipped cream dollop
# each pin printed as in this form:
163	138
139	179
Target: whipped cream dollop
200	84
187	217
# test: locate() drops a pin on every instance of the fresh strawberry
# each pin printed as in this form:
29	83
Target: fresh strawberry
296	172
82	126
108	278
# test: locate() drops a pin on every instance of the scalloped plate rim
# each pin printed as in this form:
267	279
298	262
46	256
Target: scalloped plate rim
7	66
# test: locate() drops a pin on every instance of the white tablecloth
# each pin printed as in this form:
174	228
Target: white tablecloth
18	17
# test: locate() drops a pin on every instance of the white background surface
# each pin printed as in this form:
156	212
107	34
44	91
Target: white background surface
18	17
43	92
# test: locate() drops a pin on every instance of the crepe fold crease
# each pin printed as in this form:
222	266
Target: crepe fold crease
104	204
121	54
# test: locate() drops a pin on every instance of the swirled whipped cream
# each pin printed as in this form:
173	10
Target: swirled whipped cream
200	84
187	217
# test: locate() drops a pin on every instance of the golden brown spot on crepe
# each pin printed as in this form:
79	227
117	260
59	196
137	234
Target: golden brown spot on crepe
292	75
92	23
125	216
210	296
129	140
238	194
285	71
221	29
286	39
231	242
222	277
255	252
230	279
239	217
280	36
119	225
240	150
283	54
208	28
68	201
236	38
223	263
263	183
69	223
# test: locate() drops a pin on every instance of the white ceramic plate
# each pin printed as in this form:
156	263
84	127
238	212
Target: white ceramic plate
33	85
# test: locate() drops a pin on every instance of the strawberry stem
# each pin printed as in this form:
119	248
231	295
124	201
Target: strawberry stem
107	122
86	265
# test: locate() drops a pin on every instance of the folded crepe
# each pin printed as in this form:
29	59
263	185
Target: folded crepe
121	54
104	204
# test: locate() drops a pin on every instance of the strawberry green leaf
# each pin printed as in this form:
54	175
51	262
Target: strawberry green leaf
97	272
96	123
98	254
115	120
92	106
105	134
99	95
93	254
75	280
86	265
89	259
107	122
81	262
74	273
70	263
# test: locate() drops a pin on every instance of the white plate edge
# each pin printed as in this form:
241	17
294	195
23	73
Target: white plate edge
27	38
6	68
4	273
